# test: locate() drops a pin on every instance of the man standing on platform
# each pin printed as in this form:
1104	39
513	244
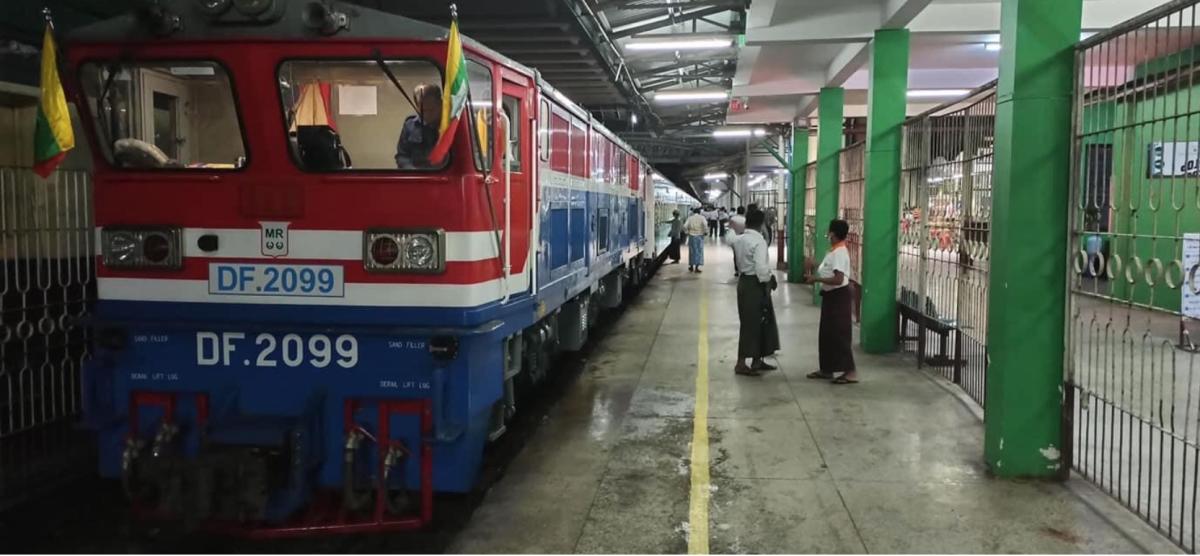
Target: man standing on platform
696	228
758	335
676	235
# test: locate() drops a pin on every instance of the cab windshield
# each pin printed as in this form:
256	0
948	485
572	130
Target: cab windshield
370	114
162	114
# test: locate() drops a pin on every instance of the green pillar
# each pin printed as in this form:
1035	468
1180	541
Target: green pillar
796	203
886	110
829	142
1027	283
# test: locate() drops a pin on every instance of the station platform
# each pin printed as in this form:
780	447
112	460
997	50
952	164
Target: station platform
893	464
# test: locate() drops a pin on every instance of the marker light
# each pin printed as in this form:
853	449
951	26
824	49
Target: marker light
412	251
137	248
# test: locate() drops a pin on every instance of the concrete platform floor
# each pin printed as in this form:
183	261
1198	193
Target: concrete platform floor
893	464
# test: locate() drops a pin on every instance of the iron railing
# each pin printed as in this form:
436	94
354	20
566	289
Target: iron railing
47	285
946	202
1132	371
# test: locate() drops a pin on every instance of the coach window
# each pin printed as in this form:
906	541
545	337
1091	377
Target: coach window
348	115
512	109
172	115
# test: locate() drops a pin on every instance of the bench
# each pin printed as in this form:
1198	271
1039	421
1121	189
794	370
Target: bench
928	321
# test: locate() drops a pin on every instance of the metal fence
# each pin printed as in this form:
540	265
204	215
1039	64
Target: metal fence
810	209
946	202
47	254
850	202
1133	375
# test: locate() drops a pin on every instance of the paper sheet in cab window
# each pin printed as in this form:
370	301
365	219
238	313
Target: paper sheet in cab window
357	100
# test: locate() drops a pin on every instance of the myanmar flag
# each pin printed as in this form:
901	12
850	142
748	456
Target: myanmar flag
52	135
454	95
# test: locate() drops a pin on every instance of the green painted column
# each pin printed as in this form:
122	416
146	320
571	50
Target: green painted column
829	141
887	106
796	206
1027	283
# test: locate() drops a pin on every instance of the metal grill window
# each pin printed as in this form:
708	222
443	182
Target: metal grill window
1133	390
850	203
810	209
946	206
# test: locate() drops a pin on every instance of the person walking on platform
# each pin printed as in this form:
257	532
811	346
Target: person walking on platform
710	214
676	235
696	228
722	220
758	336
835	338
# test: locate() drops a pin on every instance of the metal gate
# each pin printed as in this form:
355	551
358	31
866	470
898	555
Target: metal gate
48	283
1133	375
946	204
850	202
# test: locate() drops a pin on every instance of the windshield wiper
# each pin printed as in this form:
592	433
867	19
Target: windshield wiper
109	114
388	72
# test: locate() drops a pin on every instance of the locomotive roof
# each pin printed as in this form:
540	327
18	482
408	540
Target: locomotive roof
365	23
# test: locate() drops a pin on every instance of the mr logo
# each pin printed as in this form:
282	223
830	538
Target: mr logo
275	239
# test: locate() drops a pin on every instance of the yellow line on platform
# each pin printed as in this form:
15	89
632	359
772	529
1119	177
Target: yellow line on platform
698	501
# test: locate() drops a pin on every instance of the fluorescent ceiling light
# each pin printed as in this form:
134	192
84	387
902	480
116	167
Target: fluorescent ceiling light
992	46
782	171
738	133
678	44
633	119
666	96
716	176
935	93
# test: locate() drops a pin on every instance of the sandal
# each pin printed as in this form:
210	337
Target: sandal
745	371
818	375
843	380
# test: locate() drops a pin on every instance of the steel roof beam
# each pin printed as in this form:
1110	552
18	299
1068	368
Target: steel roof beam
672	20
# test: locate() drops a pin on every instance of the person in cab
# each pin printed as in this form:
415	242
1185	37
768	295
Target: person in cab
420	131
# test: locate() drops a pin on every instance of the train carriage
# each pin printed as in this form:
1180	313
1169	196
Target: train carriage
298	327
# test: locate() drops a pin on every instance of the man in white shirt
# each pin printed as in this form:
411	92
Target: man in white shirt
837	328
758	336
696	228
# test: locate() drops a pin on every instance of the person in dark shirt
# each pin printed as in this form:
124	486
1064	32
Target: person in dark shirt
420	131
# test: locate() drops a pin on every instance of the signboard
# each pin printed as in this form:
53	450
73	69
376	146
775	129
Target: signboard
1190	305
1174	159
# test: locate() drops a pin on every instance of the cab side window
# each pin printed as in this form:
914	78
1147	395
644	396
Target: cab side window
512	109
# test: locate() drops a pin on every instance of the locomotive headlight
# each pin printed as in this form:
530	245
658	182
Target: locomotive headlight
141	247
420	252
120	248
412	251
